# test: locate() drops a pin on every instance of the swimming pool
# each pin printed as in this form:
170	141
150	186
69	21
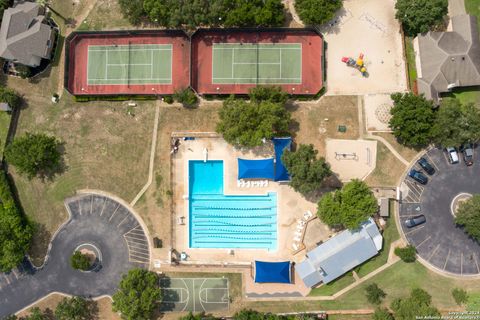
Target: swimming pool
227	221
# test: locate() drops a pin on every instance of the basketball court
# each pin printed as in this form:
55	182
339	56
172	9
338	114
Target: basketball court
257	63
194	294
130	64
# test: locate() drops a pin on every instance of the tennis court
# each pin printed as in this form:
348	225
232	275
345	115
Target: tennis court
129	64
194	294
257	63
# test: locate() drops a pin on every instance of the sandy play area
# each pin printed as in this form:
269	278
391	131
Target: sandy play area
377	112
368	27
351	159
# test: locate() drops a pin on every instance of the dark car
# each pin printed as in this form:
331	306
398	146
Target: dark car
415	221
418	176
426	166
467	151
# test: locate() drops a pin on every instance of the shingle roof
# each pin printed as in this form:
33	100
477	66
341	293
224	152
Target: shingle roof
340	254
451	57
23	36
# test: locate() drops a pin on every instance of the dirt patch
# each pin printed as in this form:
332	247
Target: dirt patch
317	121
106	15
388	169
407	153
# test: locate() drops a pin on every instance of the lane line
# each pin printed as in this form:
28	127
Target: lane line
433	252
446	260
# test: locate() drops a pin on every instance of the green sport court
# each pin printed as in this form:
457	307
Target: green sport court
129	64
257	63
194	294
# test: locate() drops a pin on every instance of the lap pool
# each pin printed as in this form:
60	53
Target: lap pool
227	221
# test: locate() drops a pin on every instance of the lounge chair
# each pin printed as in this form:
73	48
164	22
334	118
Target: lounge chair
295	246
307	215
297	238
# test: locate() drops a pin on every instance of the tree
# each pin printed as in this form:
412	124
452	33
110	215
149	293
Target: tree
248	124
307	172
382	314
419	16
460	296
15	231
418	304
10	96
138	295
468	216
35	314
317	11
268	93
80	261
374	294
34	154
412	119
407	254
186	97
456	123
348	207
75	308
255	13
132	10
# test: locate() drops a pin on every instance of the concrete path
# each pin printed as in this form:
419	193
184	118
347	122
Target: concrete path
456	7
152	156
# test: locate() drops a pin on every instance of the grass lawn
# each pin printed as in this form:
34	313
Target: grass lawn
334	286
410	54
388	169
406	152
473	7
4	125
473	303
465	95
390	234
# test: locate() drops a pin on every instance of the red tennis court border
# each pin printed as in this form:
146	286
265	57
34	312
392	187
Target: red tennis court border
77	53
312	57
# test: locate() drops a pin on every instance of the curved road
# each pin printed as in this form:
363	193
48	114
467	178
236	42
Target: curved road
94	219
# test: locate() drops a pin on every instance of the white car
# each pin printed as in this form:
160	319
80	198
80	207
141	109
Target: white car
452	155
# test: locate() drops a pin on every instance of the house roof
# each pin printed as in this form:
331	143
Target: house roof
451	57
340	254
23	36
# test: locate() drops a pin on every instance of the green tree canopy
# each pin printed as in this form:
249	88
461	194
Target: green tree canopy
138	295
307	172
268	93
419	16
229	13
412	119
468	216
15	231
34	154
382	314
418	304
317	11
460	296
132	10
75	308
80	261
246	124
374	294
349	206
407	254
36	314
10	96
456	123
186	97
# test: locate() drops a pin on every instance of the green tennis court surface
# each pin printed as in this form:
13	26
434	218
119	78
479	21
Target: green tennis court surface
194	294
130	64
262	63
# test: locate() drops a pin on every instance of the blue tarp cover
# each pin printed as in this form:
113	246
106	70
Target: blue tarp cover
272	272
256	169
281	173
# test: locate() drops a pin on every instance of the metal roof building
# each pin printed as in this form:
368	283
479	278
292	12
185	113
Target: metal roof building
340	254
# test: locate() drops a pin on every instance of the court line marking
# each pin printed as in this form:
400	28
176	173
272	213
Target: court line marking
257	78
206	290
199	296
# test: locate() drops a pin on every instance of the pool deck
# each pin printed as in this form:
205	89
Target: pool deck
291	206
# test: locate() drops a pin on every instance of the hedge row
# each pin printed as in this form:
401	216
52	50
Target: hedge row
114	98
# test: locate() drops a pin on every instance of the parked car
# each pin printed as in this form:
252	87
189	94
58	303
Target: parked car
426	166
415	221
467	151
452	155
418	176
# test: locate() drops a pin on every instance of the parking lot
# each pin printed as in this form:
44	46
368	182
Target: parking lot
439	241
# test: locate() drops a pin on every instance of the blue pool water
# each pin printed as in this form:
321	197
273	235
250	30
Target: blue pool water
223	221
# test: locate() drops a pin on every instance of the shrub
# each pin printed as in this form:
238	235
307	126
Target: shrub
186	97
460	296
317	11
374	294
267	93
76	308
407	254
168	99
80	261
23	71
382	314
468	216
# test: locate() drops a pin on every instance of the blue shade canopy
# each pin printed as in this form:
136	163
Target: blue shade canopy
280	144
256	169
273	272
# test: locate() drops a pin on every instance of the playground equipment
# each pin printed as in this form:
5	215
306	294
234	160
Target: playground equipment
346	156
357	64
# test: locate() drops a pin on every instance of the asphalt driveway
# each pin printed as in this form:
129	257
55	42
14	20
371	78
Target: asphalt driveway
439	241
94	219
